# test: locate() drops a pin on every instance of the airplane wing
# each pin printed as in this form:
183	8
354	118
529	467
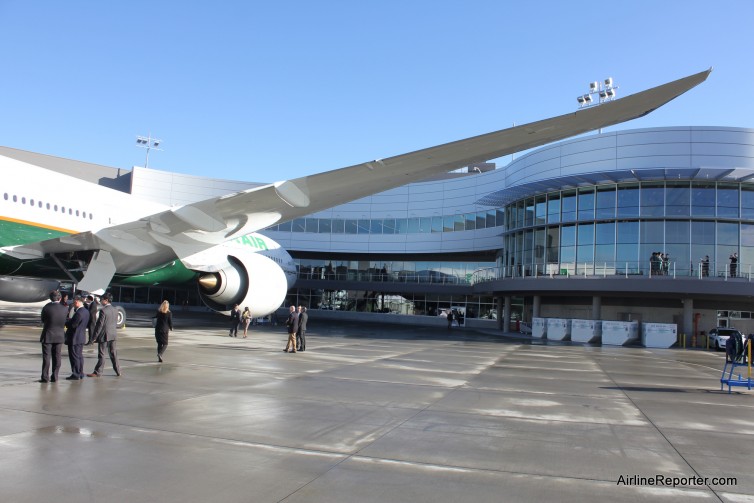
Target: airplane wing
186	230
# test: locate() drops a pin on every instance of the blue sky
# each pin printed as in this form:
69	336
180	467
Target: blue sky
265	91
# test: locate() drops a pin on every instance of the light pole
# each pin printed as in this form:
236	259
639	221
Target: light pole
603	91
148	143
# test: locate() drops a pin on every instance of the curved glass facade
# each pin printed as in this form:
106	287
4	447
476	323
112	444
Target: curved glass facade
414	225
616	228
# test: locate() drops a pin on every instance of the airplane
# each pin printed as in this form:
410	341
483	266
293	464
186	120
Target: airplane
55	227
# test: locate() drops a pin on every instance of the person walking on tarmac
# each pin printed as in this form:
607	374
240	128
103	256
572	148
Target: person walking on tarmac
105	333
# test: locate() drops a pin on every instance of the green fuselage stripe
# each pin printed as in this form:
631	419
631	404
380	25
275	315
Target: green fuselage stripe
15	233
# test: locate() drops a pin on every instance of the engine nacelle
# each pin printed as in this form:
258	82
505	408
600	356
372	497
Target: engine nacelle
19	289
247	279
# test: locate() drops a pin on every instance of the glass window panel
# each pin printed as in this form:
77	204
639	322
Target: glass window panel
586	204
436	224
703	233
702	199
568	236
491	218
312	225
325	226
604	254
677	232
352	227
363	224
529	215
605	233
605	205
747	235
553	208
585	252
568	207
413	225
627	248
553	244
540	210
375	226
727	234
388	226
652	199
338	226
628	201
458	223
285	226
299	225
679	260
727	200
499	217
677	198
481	220
539	246
401	225
447	223
520	214
425	224
747	202
512	216
470	221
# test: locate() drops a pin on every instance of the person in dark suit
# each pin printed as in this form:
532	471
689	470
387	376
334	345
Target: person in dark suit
235	320
303	317
163	326
54	315
292	324
75	336
91	306
105	333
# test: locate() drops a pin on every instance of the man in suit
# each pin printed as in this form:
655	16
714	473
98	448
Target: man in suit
301	334
235	320
292	324
54	316
91	306
105	333
75	336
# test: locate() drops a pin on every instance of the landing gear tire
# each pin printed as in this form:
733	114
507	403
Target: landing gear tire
121	323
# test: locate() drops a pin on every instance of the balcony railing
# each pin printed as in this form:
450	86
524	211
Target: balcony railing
670	269
422	277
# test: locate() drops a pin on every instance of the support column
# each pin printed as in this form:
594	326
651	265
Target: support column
536	306
688	319
596	308
507	314
499	312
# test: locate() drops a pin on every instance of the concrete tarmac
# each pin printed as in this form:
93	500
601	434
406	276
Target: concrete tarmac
369	413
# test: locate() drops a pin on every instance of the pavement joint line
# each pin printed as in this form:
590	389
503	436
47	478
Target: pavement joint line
660	432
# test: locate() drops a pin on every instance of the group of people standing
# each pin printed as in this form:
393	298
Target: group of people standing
69	325
659	263
296	324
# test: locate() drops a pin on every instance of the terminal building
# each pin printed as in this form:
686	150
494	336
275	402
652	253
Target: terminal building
652	225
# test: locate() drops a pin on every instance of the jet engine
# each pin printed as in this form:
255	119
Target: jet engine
247	279
20	289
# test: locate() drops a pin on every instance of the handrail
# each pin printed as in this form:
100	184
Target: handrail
648	269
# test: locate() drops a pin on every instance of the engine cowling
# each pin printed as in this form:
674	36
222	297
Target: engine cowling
247	279
19	289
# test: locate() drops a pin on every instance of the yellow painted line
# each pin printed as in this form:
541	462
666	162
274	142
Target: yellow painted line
34	224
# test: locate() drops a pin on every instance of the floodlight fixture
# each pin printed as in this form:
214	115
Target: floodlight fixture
580	99
587	98
609	82
594	86
148	143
